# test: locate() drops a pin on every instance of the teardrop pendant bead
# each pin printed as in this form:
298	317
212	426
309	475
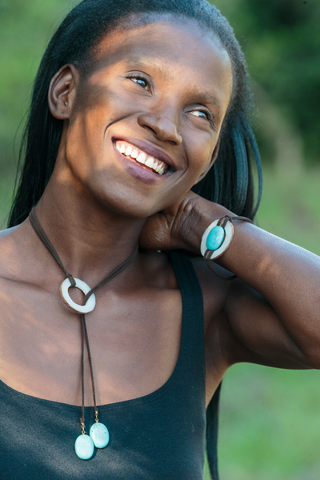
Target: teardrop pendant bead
84	447
100	435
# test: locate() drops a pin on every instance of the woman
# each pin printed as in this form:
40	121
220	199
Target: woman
134	105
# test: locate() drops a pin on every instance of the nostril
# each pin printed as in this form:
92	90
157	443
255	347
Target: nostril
162	127
150	128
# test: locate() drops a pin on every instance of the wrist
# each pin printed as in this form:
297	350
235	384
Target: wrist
198	213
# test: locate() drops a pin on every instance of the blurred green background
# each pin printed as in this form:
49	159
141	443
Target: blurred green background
270	419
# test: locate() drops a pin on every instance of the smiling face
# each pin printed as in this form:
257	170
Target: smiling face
145	124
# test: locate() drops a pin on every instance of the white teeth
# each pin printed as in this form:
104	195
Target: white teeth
158	167
134	153
150	162
128	150
141	158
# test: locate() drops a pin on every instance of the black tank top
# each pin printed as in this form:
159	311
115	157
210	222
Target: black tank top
160	436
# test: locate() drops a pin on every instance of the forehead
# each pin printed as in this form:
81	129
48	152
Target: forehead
173	48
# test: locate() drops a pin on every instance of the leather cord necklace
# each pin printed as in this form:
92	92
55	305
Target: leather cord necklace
99	435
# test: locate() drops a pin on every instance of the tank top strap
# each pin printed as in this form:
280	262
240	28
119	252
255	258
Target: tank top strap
192	352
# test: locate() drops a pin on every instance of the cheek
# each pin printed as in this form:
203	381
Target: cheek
83	137
110	97
200	156
90	117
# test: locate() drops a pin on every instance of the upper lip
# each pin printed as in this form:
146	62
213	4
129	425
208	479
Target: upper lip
150	150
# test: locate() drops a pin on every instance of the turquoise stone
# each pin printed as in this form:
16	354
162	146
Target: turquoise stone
84	447
215	238
100	435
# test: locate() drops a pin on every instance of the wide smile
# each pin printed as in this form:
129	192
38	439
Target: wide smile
142	157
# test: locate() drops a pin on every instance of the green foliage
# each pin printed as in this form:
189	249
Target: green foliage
269	424
25	29
281	40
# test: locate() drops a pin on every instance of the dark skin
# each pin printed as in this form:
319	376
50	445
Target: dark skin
99	204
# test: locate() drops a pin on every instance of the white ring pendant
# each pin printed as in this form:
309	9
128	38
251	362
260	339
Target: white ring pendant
64	292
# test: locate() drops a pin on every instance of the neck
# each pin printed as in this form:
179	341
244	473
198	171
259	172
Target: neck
89	238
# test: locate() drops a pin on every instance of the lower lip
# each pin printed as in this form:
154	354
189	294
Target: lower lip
138	170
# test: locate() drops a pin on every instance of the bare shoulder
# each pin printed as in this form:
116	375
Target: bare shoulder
12	275
8	250
158	267
7	234
16	254
157	270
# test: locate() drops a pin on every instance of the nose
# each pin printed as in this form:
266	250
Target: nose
162	124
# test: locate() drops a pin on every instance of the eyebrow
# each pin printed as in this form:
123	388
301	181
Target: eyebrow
135	62
206	97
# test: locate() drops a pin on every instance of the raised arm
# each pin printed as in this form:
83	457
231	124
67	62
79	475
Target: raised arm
271	314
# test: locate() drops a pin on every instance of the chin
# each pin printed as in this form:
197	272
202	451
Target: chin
126	208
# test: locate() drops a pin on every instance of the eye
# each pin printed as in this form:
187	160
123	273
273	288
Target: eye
141	81
206	115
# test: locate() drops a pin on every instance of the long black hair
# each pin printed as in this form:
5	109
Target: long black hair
229	182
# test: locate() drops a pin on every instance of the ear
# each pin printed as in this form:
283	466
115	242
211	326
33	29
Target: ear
62	91
210	164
